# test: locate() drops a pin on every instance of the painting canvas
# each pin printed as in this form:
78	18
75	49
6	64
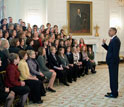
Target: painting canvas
79	17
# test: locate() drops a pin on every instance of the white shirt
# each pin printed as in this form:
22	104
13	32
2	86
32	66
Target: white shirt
113	36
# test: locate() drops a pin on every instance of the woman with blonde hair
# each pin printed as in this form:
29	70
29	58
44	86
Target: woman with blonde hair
86	61
77	60
4	47
4	54
35	70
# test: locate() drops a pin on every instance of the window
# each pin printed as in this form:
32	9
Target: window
1	9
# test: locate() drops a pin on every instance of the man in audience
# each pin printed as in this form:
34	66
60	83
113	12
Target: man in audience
10	20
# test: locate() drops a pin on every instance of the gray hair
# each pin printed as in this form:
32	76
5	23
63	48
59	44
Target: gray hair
12	57
29	52
3	43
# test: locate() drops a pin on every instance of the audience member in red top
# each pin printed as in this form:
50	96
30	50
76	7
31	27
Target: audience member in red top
6	95
41	38
12	80
81	43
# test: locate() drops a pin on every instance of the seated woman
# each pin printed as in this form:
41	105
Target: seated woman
29	43
91	58
86	61
22	43
14	46
6	95
12	80
81	72
77	62
56	65
49	73
4	47
71	62
30	80
65	64
4	54
34	69
13	35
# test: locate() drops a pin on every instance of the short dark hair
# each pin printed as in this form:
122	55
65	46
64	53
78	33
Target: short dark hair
28	41
113	28
60	49
9	17
22	54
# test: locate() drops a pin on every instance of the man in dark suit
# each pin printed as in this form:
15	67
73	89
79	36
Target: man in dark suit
112	60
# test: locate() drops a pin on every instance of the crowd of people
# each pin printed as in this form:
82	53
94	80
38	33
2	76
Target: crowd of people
32	56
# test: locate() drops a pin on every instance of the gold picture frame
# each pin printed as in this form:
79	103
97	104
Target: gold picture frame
79	15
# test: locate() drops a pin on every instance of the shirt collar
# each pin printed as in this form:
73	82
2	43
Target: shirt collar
113	36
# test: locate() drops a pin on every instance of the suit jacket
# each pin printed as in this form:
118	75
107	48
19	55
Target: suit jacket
33	67
29	48
4	61
64	61
12	76
53	62
42	63
13	49
113	50
70	58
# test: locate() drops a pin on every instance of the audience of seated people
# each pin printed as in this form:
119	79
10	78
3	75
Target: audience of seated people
31	81
12	80
45	53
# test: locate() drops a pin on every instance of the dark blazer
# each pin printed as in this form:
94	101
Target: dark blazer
113	51
53	62
4	61
29	48
21	48
64	61
70	58
13	49
12	76
42	63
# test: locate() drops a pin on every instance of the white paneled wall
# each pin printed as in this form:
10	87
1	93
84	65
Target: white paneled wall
33	11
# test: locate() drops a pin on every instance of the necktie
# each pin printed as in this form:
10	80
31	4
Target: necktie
110	40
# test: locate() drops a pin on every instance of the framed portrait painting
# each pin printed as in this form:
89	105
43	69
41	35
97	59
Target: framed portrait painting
79	17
